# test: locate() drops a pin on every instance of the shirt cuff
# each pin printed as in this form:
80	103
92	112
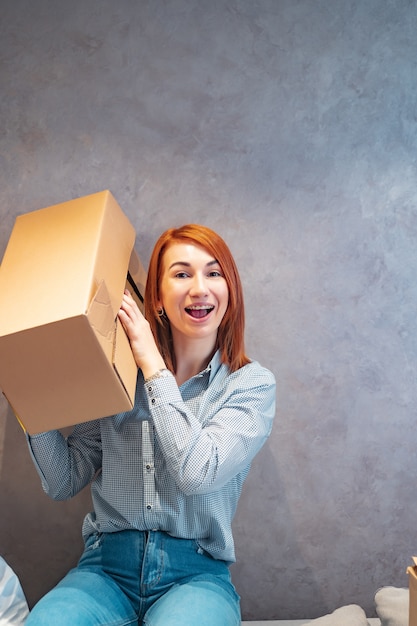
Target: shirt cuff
162	390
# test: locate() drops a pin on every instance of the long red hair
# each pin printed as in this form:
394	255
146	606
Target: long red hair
230	335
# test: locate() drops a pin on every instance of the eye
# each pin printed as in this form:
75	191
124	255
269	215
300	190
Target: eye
181	275
215	274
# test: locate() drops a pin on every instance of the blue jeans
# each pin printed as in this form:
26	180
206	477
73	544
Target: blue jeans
141	578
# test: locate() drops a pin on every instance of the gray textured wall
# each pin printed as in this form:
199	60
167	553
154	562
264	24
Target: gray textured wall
290	127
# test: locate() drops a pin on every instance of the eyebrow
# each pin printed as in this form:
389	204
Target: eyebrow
186	264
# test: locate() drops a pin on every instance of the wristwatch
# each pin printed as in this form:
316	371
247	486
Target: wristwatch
162	373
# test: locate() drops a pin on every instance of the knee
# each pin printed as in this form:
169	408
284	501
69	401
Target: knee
66	606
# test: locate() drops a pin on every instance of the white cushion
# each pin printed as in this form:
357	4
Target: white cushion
13	605
392	604
350	615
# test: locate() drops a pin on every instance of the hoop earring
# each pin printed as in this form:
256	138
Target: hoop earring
161	312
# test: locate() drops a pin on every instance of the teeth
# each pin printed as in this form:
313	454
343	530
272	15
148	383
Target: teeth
199	307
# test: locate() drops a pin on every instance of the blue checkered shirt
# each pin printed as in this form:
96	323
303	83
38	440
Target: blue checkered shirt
175	463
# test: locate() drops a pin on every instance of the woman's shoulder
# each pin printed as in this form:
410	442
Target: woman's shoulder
256	369
254	373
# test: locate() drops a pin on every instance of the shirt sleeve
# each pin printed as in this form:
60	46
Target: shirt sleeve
202	456
66	465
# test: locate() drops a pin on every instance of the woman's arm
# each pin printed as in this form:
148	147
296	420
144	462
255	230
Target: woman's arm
67	465
202	456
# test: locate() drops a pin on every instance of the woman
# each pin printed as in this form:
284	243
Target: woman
166	476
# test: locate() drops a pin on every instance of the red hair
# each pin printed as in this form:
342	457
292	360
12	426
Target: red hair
230	335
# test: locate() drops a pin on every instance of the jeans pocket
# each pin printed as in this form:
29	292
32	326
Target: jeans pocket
199	549
92	554
93	542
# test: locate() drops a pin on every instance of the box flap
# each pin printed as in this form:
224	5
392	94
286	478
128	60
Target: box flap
412	569
124	362
113	340
101	318
114	248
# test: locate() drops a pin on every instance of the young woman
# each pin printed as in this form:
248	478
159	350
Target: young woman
165	477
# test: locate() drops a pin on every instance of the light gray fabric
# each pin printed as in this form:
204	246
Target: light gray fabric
373	621
392	604
350	615
279	622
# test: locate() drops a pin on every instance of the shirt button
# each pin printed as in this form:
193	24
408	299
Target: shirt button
153	400
148	467
150	389
149	507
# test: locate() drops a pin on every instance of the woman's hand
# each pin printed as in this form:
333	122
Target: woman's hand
142	342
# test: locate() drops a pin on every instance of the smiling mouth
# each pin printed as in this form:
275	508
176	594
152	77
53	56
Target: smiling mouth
199	310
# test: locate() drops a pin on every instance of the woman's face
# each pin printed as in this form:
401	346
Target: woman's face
193	292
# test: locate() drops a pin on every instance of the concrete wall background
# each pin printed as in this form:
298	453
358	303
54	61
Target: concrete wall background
290	127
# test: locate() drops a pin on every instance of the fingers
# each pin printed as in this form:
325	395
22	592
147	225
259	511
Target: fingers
129	307
137	329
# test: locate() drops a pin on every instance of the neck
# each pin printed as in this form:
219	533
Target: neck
191	358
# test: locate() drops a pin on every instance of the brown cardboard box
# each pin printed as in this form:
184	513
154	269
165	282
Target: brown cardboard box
64	356
412	584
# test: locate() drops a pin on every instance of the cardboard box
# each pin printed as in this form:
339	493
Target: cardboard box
412	584
65	357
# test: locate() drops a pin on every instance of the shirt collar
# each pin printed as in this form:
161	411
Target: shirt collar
214	365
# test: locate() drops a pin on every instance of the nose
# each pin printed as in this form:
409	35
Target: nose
199	285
